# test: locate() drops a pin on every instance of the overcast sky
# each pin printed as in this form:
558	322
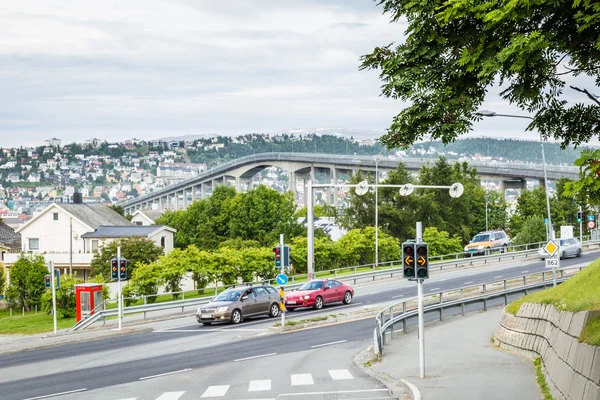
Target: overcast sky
77	69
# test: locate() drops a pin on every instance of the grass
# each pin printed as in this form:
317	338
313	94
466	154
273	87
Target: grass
303	321
541	380
580	293
31	323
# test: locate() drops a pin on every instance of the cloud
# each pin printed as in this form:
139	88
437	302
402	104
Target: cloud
154	68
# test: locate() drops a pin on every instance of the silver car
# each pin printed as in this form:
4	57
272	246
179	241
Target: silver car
234	304
568	248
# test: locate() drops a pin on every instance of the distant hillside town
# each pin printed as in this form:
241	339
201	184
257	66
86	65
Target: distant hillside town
31	178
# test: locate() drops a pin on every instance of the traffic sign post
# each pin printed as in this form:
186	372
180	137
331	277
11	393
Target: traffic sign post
119	295
282	305
51	269
552	248
282	279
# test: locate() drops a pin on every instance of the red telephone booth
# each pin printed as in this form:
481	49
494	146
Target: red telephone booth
87	297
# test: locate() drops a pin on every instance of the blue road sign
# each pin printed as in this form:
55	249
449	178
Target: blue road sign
546	221
282	279
590	217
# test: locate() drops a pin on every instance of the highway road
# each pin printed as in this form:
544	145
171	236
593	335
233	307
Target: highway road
184	348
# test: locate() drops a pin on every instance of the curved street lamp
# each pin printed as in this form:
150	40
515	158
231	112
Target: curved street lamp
487	113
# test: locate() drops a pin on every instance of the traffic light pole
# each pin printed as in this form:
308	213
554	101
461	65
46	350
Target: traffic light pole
421	313
53	293
281	289
119	297
581	225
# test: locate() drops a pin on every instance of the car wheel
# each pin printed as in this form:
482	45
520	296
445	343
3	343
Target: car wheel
207	323
487	252
347	297
505	249
236	316
318	303
274	310
579	253
289	309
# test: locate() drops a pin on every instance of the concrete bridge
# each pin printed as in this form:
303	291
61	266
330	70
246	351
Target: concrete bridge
324	168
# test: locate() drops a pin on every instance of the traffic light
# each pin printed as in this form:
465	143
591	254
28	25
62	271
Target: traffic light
408	260
579	216
47	280
114	269
123	269
277	256
422	257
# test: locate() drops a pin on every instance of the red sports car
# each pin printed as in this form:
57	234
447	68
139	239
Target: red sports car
317	293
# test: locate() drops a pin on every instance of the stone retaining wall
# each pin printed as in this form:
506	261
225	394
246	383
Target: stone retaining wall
572	369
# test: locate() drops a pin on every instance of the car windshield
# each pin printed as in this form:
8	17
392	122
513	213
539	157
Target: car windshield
315	285
481	238
229	295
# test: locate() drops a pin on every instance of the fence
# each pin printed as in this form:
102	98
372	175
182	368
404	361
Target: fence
482	295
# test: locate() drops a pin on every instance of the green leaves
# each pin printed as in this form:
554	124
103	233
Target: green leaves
455	50
27	282
136	249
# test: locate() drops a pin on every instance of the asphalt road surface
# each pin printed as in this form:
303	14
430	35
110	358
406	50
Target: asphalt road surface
191	349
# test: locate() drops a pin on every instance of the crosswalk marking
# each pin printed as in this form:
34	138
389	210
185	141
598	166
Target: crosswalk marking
302	379
170	396
215	391
260	385
339	374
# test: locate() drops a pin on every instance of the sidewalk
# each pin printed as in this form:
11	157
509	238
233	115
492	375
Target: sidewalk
461	363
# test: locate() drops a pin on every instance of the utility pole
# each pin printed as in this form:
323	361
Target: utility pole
51	268
71	246
421	313
120	298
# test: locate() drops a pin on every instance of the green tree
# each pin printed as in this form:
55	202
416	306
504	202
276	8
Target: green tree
533	231
2	280
145	281
262	214
456	50
587	188
135	249
27	282
65	296
440	242
173	267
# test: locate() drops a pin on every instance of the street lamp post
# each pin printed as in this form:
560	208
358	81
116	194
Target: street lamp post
486	113
377	211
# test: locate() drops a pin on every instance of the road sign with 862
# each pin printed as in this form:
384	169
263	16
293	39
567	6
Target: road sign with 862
553	262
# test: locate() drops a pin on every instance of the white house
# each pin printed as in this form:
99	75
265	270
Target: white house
161	235
56	233
145	217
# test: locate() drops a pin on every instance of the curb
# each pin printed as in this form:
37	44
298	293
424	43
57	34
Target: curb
322	323
398	390
74	340
413	390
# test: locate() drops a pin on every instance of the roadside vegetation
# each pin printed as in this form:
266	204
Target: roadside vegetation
580	293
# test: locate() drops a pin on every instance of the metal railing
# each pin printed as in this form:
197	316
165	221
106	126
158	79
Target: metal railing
400	312
354	278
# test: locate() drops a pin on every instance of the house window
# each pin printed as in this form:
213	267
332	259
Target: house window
55	216
163	241
138	222
34	244
94	245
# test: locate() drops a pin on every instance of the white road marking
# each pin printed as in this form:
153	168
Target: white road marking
340	374
165	374
524	272
170	396
499	276
252	358
466	283
302	379
400	295
215	391
57	394
327	344
259	386
337	392
431	290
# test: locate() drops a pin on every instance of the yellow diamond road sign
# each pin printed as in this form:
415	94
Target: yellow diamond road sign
551	248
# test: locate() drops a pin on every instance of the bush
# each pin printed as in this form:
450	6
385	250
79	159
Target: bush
65	297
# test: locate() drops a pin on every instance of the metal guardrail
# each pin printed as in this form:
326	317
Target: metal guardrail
386	319
370	275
